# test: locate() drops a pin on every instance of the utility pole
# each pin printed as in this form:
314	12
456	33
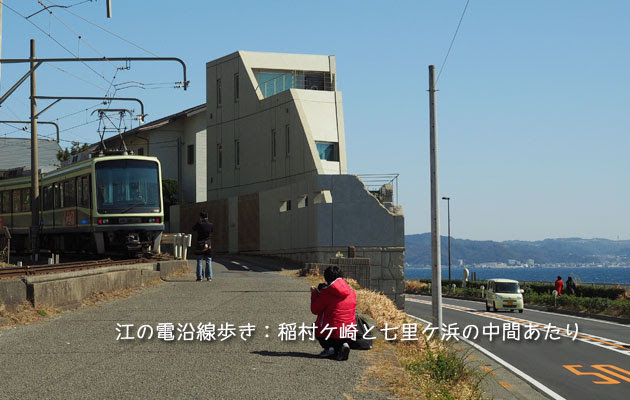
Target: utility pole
1	4
436	275
448	215
109	8
34	160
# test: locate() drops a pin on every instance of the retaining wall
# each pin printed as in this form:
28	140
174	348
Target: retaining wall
68	289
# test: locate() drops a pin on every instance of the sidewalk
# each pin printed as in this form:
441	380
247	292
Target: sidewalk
76	355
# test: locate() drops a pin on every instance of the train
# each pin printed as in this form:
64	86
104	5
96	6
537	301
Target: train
102	204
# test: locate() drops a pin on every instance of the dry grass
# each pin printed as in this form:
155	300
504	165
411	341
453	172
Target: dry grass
25	314
415	287
99	297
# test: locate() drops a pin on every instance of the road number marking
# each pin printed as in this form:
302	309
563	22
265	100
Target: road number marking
606	368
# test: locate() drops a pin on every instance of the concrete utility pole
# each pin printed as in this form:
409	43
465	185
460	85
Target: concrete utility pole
34	159
448	215
109	8
436	275
1	32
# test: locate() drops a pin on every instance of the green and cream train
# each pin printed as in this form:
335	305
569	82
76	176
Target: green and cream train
107	204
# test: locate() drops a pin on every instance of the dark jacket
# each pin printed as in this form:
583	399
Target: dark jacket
334	306
204	229
204	237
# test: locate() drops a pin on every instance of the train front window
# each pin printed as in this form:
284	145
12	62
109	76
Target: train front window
127	186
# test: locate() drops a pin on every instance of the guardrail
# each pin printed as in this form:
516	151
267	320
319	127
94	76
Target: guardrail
180	242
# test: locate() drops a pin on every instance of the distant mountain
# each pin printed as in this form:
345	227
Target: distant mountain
570	250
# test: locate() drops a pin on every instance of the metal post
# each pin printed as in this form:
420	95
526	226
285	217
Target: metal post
109	8
34	232
436	276
448	207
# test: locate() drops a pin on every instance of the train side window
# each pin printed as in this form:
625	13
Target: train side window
79	192
69	193
83	191
26	200
48	198
58	196
6	201
17	203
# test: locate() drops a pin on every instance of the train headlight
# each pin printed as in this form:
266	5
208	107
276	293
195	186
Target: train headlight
103	221
155	220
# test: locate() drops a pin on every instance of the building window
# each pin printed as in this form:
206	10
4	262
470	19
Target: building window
17	203
303	201
273	144
219	157
141	151
285	206
236	88
322	197
327	151
191	154
237	153
218	92
288	137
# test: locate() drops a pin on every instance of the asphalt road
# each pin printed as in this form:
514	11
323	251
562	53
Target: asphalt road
593	363
80	355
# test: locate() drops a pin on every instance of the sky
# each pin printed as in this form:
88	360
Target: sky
533	110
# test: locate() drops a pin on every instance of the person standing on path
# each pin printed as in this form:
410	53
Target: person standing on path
203	246
558	285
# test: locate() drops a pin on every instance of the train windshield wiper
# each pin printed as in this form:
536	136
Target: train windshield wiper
132	206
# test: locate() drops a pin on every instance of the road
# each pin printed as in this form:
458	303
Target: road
590	362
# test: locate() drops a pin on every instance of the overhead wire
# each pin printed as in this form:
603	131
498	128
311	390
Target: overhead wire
452	41
111	33
52	38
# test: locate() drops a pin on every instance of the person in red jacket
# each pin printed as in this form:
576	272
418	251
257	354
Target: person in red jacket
558	285
334	305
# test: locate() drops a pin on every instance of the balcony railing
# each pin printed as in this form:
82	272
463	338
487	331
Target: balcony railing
273	82
383	186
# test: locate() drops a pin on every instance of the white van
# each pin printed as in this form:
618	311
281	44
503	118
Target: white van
504	294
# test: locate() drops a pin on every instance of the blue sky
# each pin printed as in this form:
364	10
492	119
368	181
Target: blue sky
532	105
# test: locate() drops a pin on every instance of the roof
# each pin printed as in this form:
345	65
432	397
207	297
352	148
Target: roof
162	121
16	153
503	280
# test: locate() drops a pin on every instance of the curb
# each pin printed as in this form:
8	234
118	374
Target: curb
610	318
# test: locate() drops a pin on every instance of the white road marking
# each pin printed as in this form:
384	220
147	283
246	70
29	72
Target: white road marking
605	343
538	385
603	321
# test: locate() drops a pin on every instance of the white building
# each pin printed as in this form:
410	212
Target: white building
266	158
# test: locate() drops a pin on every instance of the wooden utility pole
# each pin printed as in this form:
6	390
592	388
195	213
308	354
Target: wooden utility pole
34	232
436	268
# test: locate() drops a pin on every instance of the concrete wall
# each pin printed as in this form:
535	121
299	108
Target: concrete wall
71	288
12	293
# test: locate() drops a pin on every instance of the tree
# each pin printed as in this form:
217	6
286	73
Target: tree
170	188
63	155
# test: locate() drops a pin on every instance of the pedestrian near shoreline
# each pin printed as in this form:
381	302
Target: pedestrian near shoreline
570	286
558	285
203	246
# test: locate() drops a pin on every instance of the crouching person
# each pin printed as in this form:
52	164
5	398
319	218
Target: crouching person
334	304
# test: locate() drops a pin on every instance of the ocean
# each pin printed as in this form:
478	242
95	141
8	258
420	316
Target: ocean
613	275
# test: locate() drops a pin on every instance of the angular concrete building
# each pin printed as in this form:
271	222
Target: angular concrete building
277	181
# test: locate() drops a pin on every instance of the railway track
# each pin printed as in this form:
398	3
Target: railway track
31	270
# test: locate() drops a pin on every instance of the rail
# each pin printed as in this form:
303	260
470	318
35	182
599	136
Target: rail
30	270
